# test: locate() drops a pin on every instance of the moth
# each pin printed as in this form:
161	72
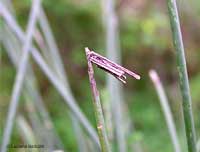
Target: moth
109	66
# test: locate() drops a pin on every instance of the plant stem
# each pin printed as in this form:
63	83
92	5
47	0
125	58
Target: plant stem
183	76
166	109
98	110
116	104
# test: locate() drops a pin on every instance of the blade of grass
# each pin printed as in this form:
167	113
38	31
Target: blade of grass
118	107
113	86
20	76
80	136
107	114
68	98
32	96
183	76
103	138
52	48
58	67
166	109
58	85
10	45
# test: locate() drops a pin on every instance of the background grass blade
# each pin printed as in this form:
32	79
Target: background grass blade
116	104
68	98
166	109
32	96
52	55
183	76
20	76
59	86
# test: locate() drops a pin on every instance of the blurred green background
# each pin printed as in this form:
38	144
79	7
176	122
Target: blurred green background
145	41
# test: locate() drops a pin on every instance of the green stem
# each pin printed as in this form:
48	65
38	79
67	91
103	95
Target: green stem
103	138
183	76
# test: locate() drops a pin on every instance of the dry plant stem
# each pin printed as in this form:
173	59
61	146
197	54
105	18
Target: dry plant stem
98	110
183	76
20	76
166	109
51	76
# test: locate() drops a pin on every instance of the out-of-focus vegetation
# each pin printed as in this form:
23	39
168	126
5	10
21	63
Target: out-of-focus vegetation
145	40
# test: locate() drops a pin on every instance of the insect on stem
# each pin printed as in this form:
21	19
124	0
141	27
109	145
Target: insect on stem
107	65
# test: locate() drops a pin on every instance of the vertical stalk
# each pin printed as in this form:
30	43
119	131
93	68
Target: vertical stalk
97	108
166	109
183	76
116	104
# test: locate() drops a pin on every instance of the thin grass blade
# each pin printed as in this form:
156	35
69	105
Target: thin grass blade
57	66
166	109
32	97
59	86
20	76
